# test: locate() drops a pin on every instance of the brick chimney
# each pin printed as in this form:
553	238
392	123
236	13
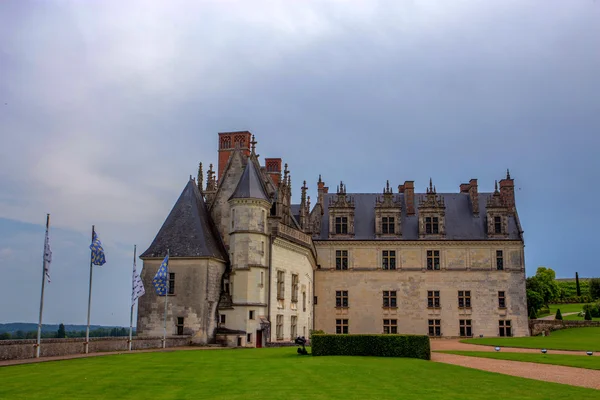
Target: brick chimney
507	191
409	196
474	195
227	143
273	166
464	187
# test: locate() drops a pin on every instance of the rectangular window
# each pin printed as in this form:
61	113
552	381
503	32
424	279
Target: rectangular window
497	225
390	326
387	225
341	298
223	318
279	327
315	300
389	298
251	314
501	300
388	259
294	288
465	328
499	260
505	328
280	285
435	327
249	338
304	301
341	259
341	326
180	325
293	328
464	299
433	299
171	282
432	225
433	260
341	225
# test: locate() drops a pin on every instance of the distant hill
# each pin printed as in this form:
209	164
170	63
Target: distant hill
28	327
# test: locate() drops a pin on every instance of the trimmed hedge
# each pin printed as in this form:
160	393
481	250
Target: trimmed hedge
412	346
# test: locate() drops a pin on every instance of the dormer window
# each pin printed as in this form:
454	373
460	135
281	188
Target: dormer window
432	212
341	214
432	225
388	210
341	225
497	215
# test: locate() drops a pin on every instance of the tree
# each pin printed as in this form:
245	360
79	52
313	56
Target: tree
588	316
534	300
558	315
595	288
61	331
532	313
544	283
577	284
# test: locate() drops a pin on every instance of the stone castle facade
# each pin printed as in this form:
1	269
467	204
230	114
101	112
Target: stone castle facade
247	267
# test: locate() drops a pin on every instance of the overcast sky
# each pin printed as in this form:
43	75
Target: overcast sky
106	108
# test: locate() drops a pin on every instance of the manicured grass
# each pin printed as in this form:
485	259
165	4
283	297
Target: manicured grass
564	308
575	317
556	359
266	374
566	339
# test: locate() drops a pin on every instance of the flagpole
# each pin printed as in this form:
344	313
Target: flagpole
132	300
39	331
87	330
166	296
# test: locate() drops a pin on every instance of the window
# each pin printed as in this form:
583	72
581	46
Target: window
232	218
223	318
389	259
279	327
433	299
499	260
434	327
171	282
262	247
180	325
294	288
465	328
432	225
387	225
433	260
262	278
293	329
304	301
505	328
341	326
315	300
389	298
341	259
464	299
249	338
341	225
390	326
251	314
501	300
280	285
497	225
341	298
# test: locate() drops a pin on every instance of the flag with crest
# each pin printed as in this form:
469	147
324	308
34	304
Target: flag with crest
138	286
160	279
97	251
47	256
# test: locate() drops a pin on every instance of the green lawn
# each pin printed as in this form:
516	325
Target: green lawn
564	308
556	359
575	317
566	339
266	374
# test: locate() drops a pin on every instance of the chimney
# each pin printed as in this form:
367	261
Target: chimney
464	187
507	191
409	196
474	195
227	144
273	166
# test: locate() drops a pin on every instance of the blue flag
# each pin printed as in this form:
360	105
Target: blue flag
160	279
97	251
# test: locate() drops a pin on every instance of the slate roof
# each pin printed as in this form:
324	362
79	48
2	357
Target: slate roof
250	185
460	222
189	230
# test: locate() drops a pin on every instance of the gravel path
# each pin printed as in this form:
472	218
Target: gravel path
544	372
551	317
454	344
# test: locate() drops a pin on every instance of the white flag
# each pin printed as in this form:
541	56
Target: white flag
138	286
47	256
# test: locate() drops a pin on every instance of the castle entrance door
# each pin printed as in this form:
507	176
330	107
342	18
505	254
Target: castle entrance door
259	339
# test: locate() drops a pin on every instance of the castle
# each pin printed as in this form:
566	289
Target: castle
247	267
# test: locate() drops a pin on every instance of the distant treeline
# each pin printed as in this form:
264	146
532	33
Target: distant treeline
98	332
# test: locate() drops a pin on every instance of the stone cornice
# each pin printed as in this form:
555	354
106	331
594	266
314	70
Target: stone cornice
419	243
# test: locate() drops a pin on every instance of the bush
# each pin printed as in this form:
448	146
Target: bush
595	288
412	346
532	313
558	314
594	309
314	332
588	316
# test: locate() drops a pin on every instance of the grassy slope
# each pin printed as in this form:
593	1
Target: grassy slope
576	318
566	339
265	374
556	359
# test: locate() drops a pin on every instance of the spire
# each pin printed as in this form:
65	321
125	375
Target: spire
210	179
250	185
496	186
200	178
431	189
253	144
320	181
285	174
303	196
308	203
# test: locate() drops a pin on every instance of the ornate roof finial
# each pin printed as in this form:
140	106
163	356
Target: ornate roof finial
496	186
308	203
253	144
320	181
507	174
430	184
200	177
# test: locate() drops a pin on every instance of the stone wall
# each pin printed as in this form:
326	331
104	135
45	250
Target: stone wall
21	349
537	326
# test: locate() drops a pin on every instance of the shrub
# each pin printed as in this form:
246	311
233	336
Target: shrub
594	309
412	346
595	288
532	313
558	314
314	332
588	316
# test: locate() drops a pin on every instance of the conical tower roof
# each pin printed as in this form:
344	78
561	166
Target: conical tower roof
250	185
189	230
